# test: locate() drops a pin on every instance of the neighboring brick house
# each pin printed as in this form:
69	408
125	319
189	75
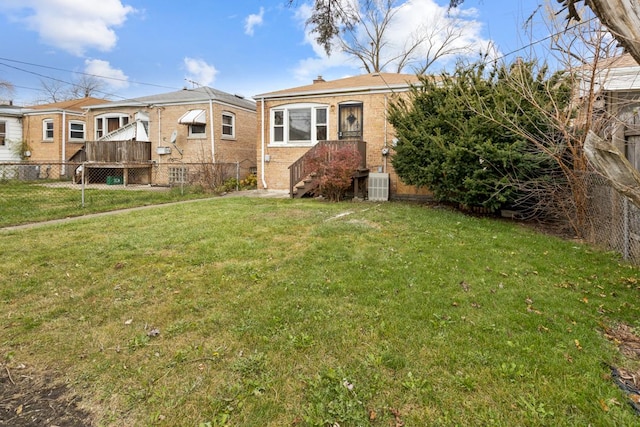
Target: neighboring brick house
55	132
292	121
10	133
186	126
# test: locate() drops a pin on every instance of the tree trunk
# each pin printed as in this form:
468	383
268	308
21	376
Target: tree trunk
610	162
622	17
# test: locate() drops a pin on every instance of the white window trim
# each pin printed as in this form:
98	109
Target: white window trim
84	130
285	108
233	125
104	117
199	135
45	122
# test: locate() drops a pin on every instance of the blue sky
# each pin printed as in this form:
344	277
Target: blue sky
144	47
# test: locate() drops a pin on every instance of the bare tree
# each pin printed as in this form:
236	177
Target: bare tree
83	86
6	88
363	30
53	90
86	85
369	40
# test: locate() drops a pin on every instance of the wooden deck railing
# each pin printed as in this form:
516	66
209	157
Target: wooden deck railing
118	151
300	168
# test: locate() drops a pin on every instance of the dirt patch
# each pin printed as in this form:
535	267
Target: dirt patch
29	399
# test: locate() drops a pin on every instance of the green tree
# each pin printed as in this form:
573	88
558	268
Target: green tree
460	155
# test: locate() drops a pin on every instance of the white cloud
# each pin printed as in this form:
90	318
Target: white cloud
309	68
199	71
427	17
411	16
113	77
252	21
72	25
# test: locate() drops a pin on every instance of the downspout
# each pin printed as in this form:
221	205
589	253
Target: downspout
159	125
64	143
262	154
384	165
213	142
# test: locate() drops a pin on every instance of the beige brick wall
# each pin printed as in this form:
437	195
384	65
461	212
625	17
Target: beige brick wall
164	120
377	133
50	150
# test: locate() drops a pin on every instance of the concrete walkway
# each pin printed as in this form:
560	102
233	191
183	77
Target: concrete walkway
271	194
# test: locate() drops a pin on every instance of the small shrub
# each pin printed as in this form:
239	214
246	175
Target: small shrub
249	183
229	185
334	168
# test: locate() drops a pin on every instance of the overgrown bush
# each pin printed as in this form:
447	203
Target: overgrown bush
460	155
334	168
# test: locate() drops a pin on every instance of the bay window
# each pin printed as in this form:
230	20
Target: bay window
299	124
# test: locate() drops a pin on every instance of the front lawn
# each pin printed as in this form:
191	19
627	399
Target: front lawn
275	312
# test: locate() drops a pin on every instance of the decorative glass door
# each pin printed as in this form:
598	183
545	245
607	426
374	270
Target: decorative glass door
350	121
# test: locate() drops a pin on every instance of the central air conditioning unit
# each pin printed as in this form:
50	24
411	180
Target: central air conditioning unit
163	150
378	187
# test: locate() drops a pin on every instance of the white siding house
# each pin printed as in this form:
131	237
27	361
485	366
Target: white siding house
10	133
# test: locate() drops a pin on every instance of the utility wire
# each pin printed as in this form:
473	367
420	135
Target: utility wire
81	73
106	94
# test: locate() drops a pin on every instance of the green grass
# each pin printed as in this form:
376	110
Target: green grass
280	312
24	203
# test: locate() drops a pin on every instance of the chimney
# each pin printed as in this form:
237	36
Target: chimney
319	80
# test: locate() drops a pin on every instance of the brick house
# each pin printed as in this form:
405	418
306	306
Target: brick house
55	132
353	109
186	126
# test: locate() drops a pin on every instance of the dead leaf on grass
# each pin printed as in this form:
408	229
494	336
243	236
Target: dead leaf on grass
465	286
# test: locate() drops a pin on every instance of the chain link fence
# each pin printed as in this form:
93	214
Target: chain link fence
31	192
615	221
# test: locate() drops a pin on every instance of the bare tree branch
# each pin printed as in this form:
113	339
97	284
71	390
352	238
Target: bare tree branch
369	41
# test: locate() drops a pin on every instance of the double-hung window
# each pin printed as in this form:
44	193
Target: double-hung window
47	129
299	124
228	125
76	131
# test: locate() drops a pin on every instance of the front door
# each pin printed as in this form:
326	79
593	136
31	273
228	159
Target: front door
350	121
